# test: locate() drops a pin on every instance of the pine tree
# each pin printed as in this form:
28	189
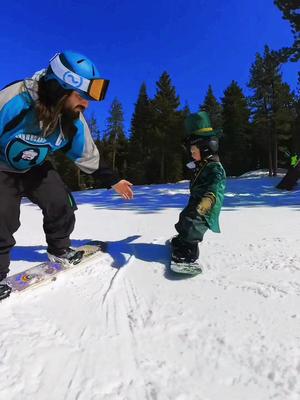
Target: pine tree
115	143
285	118
290	10
296	128
166	150
185	151
272	105
140	138
213	108
235	144
94	129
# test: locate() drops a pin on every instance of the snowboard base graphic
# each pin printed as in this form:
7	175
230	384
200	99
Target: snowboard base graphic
185	268
48	270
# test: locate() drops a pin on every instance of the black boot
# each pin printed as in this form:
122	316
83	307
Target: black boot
184	252
5	289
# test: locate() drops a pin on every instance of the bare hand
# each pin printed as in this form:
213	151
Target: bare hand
123	188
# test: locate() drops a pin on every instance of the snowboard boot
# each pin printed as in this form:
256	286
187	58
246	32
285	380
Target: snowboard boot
5	289
184	252
65	257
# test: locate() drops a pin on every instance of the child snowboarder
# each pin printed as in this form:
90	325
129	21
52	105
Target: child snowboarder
206	189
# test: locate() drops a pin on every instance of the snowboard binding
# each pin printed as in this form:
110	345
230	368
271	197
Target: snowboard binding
5	291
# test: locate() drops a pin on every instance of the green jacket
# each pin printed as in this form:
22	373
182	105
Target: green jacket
294	160
208	182
209	177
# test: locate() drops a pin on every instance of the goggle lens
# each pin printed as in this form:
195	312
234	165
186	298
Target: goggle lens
98	88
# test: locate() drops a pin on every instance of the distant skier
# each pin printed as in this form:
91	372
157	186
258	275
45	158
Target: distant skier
40	116
289	181
206	189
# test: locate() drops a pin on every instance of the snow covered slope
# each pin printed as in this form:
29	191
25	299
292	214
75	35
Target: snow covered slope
127	329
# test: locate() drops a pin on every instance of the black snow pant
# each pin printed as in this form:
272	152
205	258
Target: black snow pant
43	186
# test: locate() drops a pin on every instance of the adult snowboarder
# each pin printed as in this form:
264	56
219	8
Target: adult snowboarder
38	117
206	190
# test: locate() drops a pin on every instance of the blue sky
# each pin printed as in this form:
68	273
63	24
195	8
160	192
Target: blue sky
197	42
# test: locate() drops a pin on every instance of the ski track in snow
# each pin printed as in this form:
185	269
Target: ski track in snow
138	332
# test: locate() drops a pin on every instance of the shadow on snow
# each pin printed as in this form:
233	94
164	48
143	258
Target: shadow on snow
240	192
121	252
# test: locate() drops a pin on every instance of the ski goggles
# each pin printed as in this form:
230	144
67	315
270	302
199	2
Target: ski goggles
91	89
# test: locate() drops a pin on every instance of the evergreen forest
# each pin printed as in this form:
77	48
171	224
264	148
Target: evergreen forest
261	130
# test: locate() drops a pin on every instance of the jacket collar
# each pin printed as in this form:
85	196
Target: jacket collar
31	84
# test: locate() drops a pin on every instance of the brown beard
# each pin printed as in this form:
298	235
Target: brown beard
67	122
70	115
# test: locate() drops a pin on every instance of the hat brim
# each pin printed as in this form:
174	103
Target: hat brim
206	135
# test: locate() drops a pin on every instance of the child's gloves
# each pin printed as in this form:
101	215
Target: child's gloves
206	204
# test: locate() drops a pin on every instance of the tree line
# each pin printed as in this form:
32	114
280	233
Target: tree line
259	131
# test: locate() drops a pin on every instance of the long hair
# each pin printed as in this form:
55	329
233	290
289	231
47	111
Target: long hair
50	111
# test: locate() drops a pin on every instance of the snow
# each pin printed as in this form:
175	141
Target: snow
125	328
263	173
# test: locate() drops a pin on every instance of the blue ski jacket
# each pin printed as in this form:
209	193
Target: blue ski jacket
23	146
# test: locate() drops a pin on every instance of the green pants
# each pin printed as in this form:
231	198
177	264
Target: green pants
191	225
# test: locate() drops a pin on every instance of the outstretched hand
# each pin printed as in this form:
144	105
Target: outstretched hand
123	188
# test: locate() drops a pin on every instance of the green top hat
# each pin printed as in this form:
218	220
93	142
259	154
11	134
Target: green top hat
199	125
